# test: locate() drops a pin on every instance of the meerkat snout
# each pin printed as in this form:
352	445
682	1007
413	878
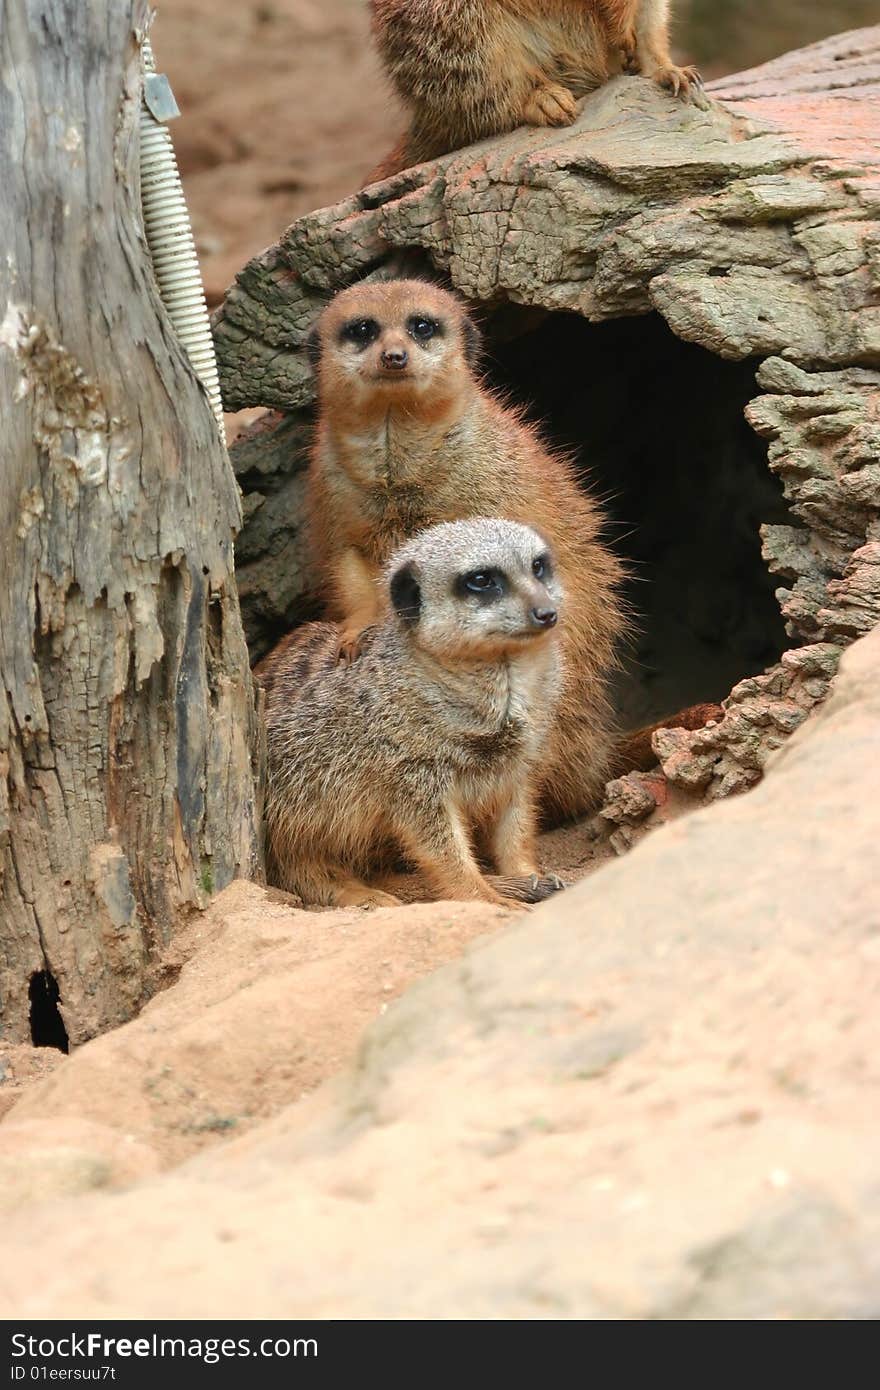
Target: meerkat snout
484	589
394	359
544	617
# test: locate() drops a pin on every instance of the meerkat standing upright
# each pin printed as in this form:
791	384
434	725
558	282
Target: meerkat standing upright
408	437
468	69
432	738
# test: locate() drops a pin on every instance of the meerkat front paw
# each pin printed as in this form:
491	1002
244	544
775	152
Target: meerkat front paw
629	52
685	83
350	645
550	104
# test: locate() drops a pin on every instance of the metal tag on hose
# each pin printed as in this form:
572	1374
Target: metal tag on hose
169	233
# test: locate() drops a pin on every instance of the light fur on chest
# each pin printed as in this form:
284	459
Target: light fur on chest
520	695
549	42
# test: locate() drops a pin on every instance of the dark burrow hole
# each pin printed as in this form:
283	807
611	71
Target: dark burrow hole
657	428
47	1025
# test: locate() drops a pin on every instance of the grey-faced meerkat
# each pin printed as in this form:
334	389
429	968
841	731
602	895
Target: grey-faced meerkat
468	69
430	743
407	437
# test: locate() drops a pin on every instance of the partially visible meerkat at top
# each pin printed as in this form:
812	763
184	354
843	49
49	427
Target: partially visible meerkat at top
406	437
433	739
468	69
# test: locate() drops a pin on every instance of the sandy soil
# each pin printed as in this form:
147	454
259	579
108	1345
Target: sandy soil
284	110
608	1109
20	1067
195	1067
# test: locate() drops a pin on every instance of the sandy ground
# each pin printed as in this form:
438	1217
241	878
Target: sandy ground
337	970
609	1108
284	110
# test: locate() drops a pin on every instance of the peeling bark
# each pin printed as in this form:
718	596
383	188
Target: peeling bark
753	228
126	711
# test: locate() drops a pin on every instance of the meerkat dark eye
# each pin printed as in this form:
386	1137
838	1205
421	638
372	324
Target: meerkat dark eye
542	568
486	584
361	332
422	328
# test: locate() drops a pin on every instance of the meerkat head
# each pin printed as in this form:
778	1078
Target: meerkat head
394	343
476	590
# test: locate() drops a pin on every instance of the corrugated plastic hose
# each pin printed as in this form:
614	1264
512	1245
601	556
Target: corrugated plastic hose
169	234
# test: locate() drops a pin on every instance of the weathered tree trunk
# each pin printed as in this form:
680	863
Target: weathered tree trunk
126	712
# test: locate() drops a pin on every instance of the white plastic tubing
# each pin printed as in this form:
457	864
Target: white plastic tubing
173	250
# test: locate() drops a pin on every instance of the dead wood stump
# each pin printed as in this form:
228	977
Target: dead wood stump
126	712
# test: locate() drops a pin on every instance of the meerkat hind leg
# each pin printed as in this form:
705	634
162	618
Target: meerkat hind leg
511	838
536	888
323	885
511	842
354	893
439	844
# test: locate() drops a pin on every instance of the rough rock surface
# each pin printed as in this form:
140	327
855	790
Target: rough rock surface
752	228
655	1097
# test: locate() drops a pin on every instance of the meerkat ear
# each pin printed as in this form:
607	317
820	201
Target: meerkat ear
406	593
473	341
313	349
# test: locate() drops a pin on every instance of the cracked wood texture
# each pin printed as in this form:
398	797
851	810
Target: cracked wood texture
126	713
752	228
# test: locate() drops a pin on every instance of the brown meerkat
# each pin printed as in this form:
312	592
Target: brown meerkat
432	740
468	69
407	437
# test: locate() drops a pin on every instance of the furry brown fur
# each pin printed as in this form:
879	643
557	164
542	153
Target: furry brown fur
432	739
408	437
468	69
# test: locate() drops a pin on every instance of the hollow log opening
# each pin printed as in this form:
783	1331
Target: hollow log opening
656	426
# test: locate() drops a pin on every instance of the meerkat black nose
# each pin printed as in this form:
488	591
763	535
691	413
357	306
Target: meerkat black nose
544	617
395	359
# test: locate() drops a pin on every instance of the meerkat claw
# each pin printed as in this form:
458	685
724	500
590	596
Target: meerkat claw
349	648
684	83
548	885
698	94
531	888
